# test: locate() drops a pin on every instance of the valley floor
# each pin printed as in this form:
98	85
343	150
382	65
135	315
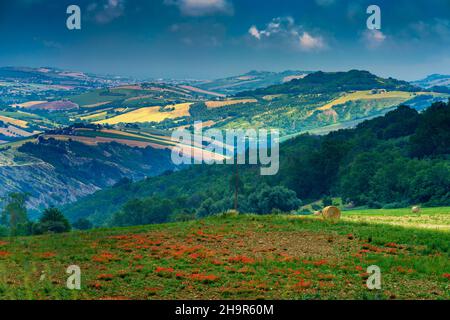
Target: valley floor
245	257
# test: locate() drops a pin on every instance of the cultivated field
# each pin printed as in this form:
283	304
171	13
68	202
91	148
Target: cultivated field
150	114
245	257
16	122
429	218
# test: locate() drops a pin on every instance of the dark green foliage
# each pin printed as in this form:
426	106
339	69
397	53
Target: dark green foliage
146	211
270	199
327	201
83	224
4	231
52	221
398	123
441	89
432	136
197	109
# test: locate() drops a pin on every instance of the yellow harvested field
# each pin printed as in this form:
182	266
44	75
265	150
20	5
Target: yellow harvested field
219	104
16	122
150	114
368	95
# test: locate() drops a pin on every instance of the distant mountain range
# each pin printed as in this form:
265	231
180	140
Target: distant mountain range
48	75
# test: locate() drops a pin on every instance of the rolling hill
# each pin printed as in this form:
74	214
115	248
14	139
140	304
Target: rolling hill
306	102
249	81
434	80
143	115
57	77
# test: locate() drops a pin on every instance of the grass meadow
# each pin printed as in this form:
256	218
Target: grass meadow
243	257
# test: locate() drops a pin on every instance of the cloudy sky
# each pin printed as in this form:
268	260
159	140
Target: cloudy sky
215	38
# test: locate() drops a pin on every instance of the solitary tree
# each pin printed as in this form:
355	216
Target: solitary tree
14	214
52	221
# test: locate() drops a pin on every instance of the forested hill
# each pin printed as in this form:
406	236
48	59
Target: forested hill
330	82
400	159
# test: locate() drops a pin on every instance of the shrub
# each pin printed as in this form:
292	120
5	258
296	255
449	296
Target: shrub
273	199
52	221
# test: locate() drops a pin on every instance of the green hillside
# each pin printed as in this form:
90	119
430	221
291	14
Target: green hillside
392	161
324	82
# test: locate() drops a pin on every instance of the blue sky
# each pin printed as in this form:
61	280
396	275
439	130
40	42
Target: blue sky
215	38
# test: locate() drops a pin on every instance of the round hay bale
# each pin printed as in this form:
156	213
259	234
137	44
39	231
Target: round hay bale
415	209
331	213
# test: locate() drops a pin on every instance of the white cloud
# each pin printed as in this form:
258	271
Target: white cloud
373	38
197	8
109	11
255	32
308	42
284	30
